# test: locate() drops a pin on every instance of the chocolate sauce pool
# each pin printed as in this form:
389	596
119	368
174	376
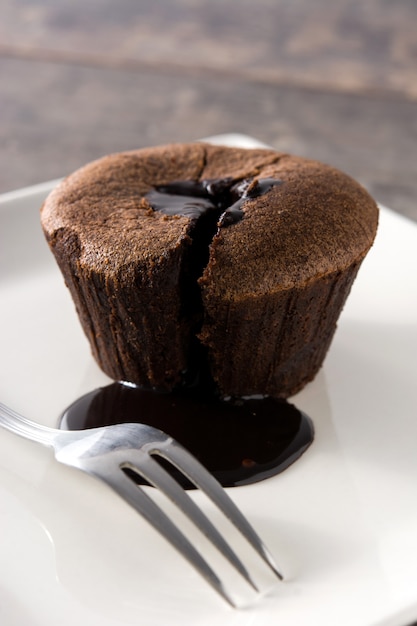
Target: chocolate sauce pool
239	441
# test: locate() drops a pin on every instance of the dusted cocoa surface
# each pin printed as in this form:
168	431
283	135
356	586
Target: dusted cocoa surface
272	288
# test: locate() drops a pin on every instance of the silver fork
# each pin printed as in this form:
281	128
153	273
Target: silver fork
105	452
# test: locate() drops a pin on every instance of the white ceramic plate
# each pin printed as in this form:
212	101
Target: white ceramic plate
342	521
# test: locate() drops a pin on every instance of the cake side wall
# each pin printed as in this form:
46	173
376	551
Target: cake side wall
274	344
133	320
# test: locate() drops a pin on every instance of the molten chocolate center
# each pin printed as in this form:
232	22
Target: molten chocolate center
222	197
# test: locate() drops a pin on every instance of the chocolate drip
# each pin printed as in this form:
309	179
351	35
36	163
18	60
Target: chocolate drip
210	204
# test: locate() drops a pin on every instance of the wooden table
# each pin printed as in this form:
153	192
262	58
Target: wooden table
332	80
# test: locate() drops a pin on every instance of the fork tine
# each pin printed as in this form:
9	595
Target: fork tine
143	504
196	472
150	469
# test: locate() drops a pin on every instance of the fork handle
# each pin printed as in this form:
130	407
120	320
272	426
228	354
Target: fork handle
20	425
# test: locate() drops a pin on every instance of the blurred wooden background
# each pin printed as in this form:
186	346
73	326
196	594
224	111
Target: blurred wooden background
334	80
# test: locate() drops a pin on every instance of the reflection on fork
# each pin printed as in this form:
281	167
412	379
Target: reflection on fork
114	454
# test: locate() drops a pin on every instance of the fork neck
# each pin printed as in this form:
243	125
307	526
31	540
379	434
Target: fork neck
24	427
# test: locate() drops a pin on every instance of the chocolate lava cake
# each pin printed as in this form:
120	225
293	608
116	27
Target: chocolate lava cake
192	259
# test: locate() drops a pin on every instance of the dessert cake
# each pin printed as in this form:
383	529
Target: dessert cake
191	260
